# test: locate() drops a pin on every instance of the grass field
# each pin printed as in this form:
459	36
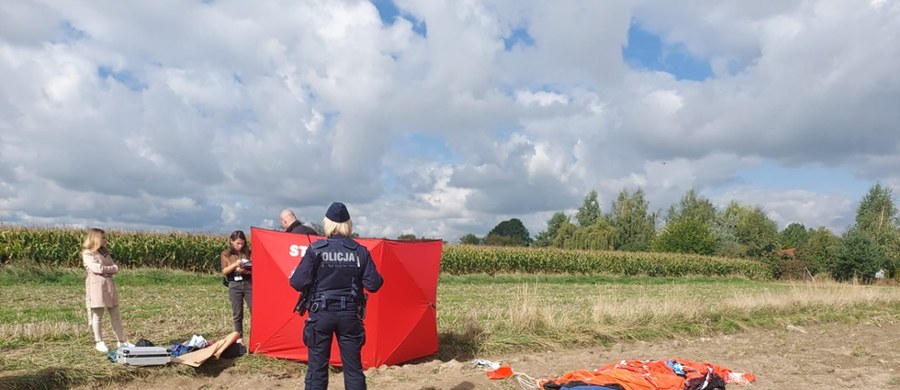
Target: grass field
46	342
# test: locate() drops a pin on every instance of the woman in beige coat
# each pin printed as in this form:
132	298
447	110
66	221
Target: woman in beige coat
100	289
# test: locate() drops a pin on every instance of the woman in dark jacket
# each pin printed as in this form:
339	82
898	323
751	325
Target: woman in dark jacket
236	267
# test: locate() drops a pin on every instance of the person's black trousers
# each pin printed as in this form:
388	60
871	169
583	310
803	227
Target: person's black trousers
240	292
351	336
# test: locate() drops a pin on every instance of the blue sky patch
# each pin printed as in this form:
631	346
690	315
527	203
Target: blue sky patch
518	36
429	147
415	147
388	12
124	77
646	50
814	178
243	115
418	26
502	134
330	118
70	32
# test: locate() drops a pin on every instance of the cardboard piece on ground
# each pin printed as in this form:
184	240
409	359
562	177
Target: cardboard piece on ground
196	358
228	341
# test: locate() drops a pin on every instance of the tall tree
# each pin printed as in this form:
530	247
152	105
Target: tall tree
877	216
746	232
758	233
686	235
589	212
819	250
509	232
725	229
545	238
599	236
469	239
692	206
688	227
859	257
634	225
793	236
564	234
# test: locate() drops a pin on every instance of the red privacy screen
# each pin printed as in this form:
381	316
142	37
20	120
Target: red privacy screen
401	319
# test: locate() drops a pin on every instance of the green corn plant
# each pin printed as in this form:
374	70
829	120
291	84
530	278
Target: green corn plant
465	259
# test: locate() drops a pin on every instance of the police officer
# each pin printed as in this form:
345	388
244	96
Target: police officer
334	271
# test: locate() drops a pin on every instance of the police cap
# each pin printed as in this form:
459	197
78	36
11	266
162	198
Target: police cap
337	212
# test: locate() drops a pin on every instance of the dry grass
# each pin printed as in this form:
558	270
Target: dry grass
555	314
682	301
44	330
46	343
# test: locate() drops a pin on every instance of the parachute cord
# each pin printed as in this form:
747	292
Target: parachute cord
526	381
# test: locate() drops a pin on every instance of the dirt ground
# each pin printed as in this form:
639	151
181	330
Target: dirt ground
863	356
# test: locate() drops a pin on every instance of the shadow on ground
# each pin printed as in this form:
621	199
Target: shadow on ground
213	367
461	346
47	378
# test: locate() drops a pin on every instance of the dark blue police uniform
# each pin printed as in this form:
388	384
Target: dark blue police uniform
336	269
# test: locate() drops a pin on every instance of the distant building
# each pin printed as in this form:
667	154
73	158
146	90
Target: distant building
788	253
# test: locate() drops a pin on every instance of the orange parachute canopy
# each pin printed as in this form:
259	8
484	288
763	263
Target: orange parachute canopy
674	374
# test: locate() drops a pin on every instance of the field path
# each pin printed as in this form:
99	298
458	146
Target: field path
862	356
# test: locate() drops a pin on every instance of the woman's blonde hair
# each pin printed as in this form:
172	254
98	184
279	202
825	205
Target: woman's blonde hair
332	228
94	240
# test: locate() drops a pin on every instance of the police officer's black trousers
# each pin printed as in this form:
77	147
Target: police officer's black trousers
351	336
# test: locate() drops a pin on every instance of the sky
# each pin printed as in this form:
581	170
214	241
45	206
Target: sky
440	118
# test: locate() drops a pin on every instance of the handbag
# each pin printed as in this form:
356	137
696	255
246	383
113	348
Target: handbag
225	281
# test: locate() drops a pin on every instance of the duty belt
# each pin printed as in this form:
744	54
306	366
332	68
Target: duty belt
332	305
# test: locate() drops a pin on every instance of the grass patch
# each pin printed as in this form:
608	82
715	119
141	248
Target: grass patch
558	311
46	343
31	273
480	279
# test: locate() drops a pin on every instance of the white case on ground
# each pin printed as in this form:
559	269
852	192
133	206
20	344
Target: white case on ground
143	356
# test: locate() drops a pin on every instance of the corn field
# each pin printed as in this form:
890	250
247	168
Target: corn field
62	247
467	259
200	253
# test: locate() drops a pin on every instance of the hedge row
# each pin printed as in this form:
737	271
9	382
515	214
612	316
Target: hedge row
200	252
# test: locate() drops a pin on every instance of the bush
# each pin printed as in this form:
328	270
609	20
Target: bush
796	268
688	235
859	257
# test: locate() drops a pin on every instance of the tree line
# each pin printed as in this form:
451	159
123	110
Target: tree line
865	251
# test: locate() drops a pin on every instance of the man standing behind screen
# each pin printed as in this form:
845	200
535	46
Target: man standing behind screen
290	224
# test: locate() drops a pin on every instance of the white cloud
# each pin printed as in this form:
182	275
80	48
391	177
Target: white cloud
785	207
216	116
540	98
